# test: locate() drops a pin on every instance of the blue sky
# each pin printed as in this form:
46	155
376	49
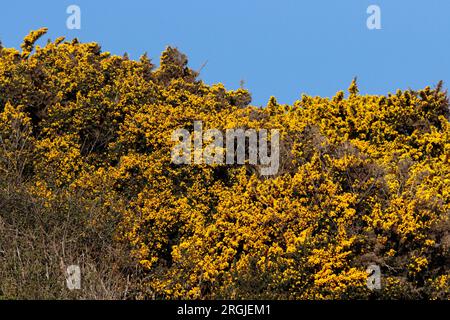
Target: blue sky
282	48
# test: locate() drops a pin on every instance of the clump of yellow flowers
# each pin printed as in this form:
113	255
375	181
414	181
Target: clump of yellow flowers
363	179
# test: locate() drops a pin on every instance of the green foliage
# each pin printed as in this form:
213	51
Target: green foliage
85	142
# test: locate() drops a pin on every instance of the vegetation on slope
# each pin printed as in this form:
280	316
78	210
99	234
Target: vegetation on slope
86	178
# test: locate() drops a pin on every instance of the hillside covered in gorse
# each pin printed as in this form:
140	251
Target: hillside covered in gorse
86	178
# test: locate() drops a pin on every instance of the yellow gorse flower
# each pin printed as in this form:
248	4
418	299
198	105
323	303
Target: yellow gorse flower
362	179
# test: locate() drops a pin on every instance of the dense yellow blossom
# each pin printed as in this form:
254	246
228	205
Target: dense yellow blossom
363	179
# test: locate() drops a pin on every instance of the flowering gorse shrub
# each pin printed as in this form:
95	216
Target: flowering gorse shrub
362	179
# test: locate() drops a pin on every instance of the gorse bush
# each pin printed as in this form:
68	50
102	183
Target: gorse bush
87	178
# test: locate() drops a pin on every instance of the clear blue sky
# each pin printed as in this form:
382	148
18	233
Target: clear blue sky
281	48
